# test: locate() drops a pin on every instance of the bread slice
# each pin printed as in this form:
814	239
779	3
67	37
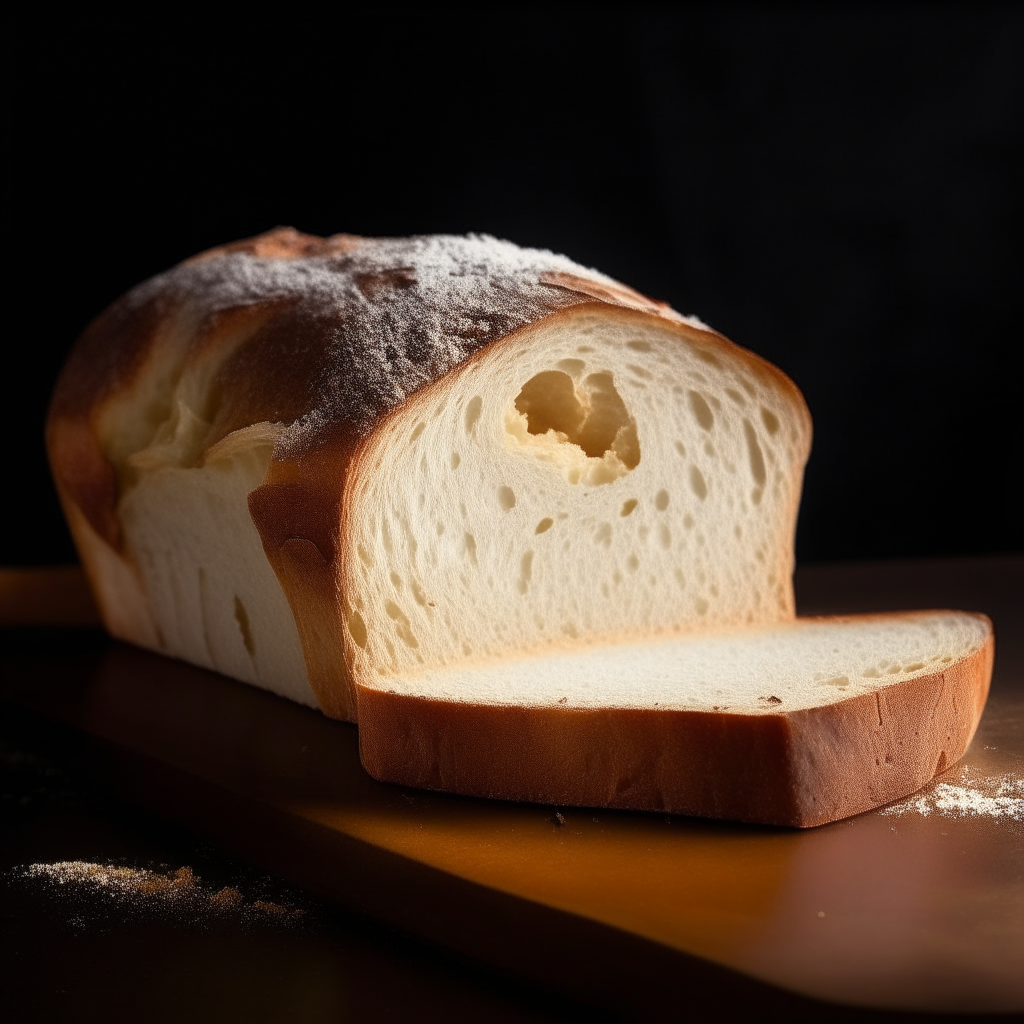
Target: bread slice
794	724
331	466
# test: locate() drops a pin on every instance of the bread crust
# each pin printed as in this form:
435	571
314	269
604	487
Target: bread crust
800	768
326	337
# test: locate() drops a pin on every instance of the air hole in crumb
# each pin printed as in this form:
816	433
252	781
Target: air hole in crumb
396	580
242	618
506	498
680	447
473	409
544	525
455	460
401	624
594	419
661	500
364	556
697	483
470	542
357	628
420	427
770	420
701	411
525	571
603	534
639	346
756	461
735	396
628	506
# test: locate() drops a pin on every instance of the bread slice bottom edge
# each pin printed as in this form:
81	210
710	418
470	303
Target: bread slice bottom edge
796	768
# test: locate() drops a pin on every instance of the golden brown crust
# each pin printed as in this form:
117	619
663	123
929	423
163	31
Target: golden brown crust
800	768
325	337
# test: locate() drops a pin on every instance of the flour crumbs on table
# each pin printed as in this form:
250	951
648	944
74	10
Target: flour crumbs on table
1000	796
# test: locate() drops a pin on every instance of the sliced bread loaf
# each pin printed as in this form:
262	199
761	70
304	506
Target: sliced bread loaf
419	481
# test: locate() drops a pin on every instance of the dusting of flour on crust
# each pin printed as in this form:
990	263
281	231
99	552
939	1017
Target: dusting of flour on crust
392	314
993	797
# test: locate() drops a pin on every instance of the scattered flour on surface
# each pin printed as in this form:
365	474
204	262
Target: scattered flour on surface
180	892
993	797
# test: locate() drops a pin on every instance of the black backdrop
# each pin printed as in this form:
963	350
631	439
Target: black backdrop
838	190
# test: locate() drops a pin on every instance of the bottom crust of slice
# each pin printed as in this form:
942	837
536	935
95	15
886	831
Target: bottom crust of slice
798	768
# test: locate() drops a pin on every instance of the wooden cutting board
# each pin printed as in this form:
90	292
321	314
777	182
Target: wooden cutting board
919	906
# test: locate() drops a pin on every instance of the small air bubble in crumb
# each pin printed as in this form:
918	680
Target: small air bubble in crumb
525	572
628	506
544	525
473	413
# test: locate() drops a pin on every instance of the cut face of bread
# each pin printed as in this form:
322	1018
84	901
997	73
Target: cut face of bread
793	724
597	478
803	664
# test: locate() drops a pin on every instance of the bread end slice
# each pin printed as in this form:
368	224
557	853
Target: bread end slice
816	754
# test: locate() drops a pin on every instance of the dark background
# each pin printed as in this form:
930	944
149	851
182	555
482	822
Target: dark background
837	189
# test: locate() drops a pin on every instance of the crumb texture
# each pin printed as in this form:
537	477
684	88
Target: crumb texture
806	664
599	479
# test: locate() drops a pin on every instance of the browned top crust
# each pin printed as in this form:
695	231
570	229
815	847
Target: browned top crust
322	336
340	330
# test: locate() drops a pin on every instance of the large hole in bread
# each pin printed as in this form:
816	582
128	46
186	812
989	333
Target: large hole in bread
586	430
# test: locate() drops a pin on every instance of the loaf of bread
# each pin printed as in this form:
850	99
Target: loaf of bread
532	530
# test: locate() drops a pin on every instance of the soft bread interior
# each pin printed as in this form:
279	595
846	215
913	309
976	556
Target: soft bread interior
212	592
211	596
802	664
600	478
